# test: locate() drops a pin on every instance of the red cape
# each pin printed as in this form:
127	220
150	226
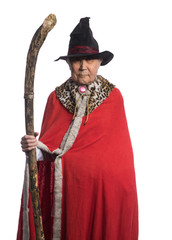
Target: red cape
99	198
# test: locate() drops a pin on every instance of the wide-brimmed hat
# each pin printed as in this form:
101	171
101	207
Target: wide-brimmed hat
83	44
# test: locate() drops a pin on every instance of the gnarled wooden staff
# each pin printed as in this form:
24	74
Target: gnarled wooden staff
36	43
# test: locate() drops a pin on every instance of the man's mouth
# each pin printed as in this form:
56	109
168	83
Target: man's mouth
82	75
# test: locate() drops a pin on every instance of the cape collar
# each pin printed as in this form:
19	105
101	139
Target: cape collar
97	91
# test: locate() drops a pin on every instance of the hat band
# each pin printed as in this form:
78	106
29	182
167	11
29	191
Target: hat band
82	49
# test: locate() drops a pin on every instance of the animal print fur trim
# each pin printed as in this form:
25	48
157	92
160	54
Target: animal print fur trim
99	91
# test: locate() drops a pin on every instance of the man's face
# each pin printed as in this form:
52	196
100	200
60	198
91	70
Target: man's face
84	70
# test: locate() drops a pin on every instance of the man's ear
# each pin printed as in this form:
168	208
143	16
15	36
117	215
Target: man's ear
69	63
100	60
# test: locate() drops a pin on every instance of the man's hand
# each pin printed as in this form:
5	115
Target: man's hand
29	142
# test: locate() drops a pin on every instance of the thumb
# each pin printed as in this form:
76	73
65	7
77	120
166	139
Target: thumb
36	134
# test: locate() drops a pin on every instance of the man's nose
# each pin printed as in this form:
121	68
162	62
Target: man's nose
83	63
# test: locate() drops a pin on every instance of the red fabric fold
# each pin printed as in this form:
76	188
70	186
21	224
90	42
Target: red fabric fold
99	197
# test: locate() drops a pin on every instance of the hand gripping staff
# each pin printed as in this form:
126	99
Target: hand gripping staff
35	45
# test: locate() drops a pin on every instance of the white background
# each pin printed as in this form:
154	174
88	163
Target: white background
139	33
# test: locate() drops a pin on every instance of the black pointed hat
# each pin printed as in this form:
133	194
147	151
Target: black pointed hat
83	44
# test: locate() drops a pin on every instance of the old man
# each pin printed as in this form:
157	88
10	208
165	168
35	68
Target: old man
85	160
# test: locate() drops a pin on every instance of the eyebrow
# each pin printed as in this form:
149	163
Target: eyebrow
80	58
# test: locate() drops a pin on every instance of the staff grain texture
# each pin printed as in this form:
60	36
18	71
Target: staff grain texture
36	43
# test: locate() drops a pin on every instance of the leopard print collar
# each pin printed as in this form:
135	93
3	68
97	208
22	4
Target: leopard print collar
98	91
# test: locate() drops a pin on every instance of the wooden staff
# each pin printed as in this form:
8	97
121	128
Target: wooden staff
36	43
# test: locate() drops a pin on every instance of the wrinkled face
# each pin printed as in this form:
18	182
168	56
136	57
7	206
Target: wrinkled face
84	70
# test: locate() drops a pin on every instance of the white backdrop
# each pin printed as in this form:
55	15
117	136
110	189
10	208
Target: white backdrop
139	33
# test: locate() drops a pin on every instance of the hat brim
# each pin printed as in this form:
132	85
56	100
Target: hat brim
106	56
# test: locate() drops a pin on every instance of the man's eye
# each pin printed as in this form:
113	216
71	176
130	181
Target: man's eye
89	59
78	59
75	59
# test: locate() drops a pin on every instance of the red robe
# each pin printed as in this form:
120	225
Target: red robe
99	198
